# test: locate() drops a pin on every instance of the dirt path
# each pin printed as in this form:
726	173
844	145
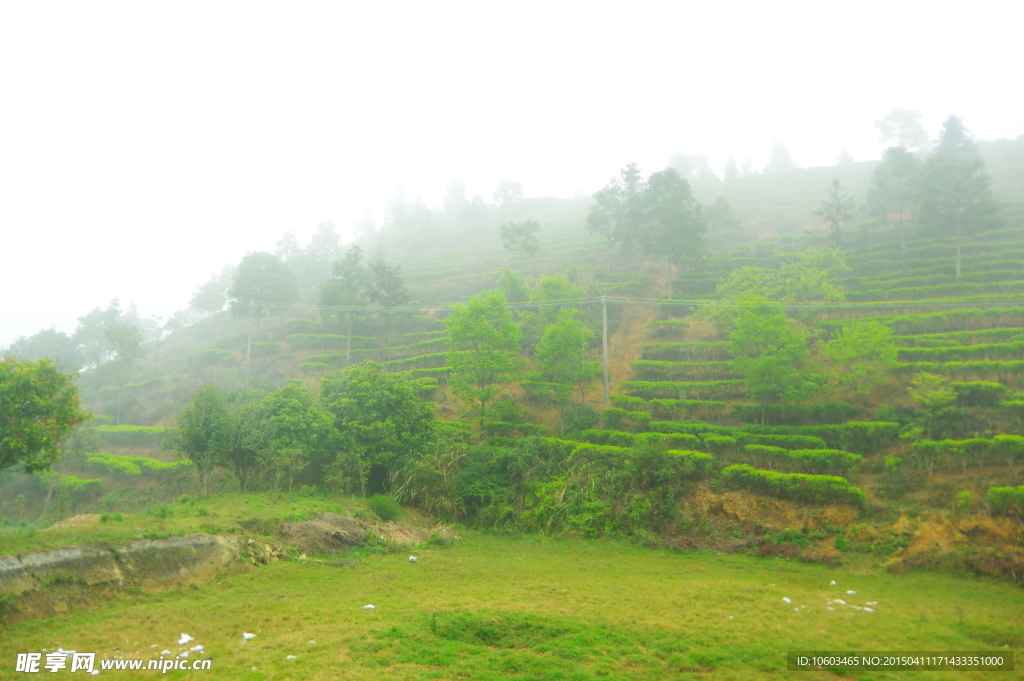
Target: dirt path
624	344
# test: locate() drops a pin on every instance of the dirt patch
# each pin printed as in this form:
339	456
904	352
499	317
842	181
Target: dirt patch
75	521
329	533
761	514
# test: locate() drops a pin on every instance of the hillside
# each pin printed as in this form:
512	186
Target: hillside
687	435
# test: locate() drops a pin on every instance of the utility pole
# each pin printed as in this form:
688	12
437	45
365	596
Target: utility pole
604	345
248	345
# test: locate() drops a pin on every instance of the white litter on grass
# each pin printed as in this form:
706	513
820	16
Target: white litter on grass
185	638
796	609
183	654
153	646
869	609
165	652
247	636
412	559
291	657
196	649
840	601
833	583
312	643
851	593
873	603
855	607
732	617
95	672
786	600
369	607
831	608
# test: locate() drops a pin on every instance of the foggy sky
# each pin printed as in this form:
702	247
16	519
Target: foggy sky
144	146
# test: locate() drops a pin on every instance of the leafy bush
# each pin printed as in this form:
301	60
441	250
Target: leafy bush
701	390
620	419
384	507
825	461
812	489
1007	501
979	393
134	436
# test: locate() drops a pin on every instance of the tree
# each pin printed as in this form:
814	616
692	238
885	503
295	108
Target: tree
252	438
563	359
845	157
955	140
89	335
346	289
860	356
303	433
902	128
482	344
39	406
894	190
730	171
672	224
955	195
720	221
513	285
387	287
616	211
507	193
521	237
770	354
125	340
261	278
204	432
50	344
780	159
211	297
379	418
837	210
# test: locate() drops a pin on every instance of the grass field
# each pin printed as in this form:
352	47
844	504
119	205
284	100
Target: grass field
534	607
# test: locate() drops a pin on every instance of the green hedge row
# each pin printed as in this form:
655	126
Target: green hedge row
136	465
967	319
686	352
952	454
668	408
741	436
861	437
133	436
955	338
980	393
817	461
668	329
618	438
962	353
657	370
699	390
1003	372
939	291
428	361
811	489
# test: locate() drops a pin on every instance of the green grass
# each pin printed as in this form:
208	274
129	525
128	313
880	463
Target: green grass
218	514
539	608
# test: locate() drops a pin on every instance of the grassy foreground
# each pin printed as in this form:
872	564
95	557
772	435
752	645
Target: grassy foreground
538	608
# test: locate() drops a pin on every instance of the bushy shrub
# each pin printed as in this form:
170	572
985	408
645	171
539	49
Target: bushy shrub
384	507
812	489
1007	501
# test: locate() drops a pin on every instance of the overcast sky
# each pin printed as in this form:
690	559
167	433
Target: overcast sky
145	145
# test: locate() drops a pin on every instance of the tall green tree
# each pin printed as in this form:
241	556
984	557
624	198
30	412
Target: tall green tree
125	340
893	193
379	418
304	434
770	353
204	432
252	438
261	278
521	237
902	128
49	344
955	190
860	356
507	193
346	289
387	286
617	211
780	159
837	210
483	340
672	225
39	406
563	357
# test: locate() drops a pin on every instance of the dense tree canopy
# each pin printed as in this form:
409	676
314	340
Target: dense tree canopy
261	278
39	406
